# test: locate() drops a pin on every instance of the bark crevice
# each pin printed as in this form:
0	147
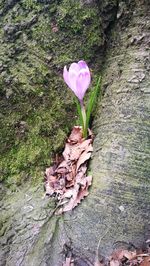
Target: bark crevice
118	203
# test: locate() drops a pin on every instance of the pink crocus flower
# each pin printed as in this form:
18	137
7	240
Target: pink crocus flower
78	78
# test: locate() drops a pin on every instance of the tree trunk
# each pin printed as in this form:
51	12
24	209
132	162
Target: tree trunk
116	212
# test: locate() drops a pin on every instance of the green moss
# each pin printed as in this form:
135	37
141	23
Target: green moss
38	110
29	4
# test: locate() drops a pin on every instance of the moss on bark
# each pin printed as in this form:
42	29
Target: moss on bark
37	111
116	210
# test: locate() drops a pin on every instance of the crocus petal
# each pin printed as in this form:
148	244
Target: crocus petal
66	76
86	76
78	78
82	64
73	74
82	83
74	67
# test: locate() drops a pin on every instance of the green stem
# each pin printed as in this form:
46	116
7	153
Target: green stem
84	119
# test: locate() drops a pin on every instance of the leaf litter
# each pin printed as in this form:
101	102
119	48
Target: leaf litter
68	179
130	258
125	257
119	257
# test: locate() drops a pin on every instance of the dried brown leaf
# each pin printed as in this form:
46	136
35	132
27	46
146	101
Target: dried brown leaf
79	191
114	263
71	204
83	192
84	156
129	254
68	179
146	261
123	253
49	171
62	168
81	171
49	190
52	180
77	149
76	135
72	152
70	184
85	144
66	152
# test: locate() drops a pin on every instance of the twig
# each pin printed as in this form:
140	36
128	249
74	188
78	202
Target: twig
96	257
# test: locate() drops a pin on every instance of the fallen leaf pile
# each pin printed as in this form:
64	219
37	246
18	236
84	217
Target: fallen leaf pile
120	257
68	180
129	258
124	257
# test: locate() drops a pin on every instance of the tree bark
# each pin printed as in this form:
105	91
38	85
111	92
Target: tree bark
116	212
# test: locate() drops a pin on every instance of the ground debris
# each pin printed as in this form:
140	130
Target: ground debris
67	180
127	257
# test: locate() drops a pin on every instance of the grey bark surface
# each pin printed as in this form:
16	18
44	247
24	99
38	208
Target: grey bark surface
116	212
